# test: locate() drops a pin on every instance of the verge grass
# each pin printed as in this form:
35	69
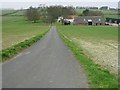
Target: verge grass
98	76
12	51
18	34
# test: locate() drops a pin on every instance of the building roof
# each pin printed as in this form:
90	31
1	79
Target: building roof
70	16
98	18
86	19
90	17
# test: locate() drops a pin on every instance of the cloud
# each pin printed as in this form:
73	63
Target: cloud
59	1
35	3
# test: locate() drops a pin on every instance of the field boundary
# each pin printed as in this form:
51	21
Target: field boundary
15	49
98	77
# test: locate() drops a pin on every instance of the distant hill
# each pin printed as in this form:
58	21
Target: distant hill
13	12
107	13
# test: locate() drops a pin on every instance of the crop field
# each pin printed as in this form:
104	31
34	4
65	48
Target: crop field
16	29
100	43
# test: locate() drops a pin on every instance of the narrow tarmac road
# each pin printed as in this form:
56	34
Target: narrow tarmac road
46	64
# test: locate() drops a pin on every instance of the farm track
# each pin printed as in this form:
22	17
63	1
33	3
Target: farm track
46	64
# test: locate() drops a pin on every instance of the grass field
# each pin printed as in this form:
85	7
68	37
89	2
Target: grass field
13	12
7	11
99	42
16	29
97	49
107	13
19	13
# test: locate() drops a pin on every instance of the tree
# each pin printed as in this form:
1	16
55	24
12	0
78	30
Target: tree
104	8
92	13
32	14
53	12
48	14
86	12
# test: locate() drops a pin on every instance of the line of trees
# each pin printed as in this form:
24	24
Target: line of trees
32	14
48	14
87	12
78	7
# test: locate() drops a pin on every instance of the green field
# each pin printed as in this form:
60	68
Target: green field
91	32
13	12
16	29
97	42
107	13
7	11
19	13
97	49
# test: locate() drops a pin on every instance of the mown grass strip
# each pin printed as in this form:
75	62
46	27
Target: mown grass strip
14	50
98	77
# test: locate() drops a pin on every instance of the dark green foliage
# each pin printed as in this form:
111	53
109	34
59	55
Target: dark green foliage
104	8
48	14
92	13
12	51
86	12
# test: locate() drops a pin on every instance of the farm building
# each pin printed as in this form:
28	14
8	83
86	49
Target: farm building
68	19
89	20
112	20
59	19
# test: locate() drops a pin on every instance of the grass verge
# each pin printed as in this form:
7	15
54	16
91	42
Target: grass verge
98	77
14	50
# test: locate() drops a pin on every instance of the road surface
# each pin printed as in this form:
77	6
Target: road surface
46	64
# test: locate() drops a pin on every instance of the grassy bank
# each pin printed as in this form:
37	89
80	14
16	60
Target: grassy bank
18	34
98	76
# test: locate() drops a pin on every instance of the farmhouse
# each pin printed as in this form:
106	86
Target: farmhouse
59	19
67	20
89	20
70	18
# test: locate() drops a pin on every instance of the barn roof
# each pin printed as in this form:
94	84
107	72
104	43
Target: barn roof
89	17
70	16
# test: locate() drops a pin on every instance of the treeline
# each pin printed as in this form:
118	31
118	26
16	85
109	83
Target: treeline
48	14
97	8
87	12
77	7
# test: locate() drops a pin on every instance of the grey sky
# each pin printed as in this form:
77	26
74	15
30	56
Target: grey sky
17	4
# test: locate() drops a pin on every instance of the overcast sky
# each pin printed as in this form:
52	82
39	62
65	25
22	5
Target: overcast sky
17	4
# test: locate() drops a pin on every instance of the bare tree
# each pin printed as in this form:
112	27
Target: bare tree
92	13
32	14
53	12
